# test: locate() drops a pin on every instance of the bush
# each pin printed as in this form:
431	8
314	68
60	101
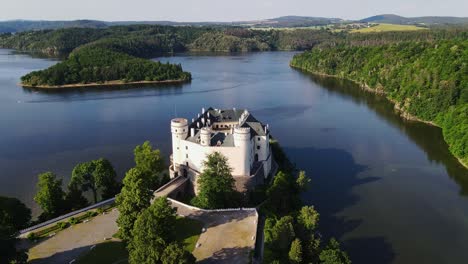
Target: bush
90	214
73	221
62	225
32	236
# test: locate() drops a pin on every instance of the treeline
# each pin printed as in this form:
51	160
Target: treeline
426	79
93	64
148	40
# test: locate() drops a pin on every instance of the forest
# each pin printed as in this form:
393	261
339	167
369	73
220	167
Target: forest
426	79
93	64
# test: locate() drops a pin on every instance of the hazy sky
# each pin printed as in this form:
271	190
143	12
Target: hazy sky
220	10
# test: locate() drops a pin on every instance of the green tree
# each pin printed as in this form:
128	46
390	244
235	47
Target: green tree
176	254
74	198
295	253
96	175
152	232
49	196
302	181
308	218
279	235
215	183
151	162
332	254
283	196
134	197
14	215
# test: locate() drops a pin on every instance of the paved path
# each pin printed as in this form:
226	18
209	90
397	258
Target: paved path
229	235
70	243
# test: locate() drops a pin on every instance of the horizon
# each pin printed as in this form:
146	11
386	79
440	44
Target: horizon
215	21
214	11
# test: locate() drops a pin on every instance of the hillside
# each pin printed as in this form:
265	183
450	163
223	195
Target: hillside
148	40
26	25
428	20
426	80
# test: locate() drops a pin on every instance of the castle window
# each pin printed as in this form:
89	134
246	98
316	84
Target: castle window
258	138
186	147
258	147
186	163
186	156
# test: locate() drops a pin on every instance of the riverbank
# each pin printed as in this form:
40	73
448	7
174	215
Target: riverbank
109	83
405	115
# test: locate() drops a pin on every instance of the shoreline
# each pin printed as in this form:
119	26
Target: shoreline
108	83
405	115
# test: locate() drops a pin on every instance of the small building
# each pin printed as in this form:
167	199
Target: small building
234	133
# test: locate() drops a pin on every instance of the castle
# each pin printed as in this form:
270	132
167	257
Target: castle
234	133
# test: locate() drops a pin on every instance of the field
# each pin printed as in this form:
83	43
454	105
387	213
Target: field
388	27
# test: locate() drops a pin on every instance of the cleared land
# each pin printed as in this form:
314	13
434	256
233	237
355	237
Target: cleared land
74	241
388	27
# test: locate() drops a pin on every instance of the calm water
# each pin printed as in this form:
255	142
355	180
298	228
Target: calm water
388	188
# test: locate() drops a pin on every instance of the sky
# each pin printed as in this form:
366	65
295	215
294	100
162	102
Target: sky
221	10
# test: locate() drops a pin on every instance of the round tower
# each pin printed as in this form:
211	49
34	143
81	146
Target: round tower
242	141
179	130
205	136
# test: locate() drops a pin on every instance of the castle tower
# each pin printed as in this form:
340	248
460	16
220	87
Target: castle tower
242	141
179	130
205	136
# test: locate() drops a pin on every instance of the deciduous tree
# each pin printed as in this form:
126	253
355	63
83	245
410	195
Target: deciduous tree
151	162
152	232
50	196
215	183
332	254
176	254
96	175
134	197
14	215
295	253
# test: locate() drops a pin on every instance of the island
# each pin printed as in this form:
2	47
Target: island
95	66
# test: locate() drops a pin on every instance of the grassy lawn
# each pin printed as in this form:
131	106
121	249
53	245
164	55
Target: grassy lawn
106	253
388	27
187	231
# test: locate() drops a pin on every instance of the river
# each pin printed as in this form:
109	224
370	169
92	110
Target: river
386	187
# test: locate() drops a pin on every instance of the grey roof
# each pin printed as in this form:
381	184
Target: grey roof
225	116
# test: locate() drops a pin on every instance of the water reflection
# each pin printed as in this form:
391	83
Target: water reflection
428	138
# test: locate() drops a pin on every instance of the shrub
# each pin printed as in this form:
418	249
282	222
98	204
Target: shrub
73	221
32	236
62	225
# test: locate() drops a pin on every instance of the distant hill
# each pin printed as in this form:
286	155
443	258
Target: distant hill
25	25
279	22
13	26
292	21
428	20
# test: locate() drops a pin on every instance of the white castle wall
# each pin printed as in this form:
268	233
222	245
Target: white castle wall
190	156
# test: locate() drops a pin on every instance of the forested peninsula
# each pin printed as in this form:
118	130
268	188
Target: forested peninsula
427	80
